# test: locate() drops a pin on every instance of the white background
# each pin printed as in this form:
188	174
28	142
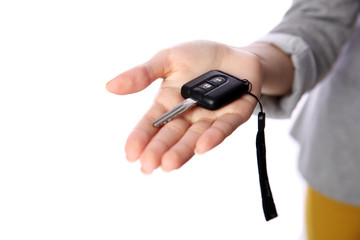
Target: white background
63	173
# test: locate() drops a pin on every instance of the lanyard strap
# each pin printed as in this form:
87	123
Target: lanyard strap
267	198
266	195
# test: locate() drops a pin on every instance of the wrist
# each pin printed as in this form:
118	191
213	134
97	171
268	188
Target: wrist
277	69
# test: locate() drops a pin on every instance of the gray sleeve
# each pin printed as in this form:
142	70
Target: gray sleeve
312	33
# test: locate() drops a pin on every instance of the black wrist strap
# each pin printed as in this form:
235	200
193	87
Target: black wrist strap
267	198
266	195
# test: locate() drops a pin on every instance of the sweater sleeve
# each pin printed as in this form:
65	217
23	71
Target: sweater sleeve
312	33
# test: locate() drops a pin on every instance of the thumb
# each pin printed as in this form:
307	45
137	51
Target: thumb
141	76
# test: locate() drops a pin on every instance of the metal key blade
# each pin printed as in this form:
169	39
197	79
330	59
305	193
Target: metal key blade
178	109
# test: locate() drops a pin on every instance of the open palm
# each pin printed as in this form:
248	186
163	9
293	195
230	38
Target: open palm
197	130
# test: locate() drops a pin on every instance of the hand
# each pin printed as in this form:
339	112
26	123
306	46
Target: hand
197	130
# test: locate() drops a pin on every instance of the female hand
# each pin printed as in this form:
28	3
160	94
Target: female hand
197	130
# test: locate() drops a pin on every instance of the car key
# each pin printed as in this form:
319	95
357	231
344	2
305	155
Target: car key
214	90
211	90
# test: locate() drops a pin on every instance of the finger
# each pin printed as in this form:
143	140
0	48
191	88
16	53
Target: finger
141	76
183	150
142	133
144	130
220	129
167	136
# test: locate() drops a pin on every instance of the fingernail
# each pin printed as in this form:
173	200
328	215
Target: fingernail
145	173
198	152
130	159
107	86
164	169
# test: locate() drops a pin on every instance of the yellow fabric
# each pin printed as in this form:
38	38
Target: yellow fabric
327	219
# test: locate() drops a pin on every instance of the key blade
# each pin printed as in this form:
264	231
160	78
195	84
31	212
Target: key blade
178	109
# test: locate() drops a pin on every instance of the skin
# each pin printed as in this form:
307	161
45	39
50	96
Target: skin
198	130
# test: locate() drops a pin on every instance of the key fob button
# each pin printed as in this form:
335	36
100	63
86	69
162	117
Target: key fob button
207	86
217	81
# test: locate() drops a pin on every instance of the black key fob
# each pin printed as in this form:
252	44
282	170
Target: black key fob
215	89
